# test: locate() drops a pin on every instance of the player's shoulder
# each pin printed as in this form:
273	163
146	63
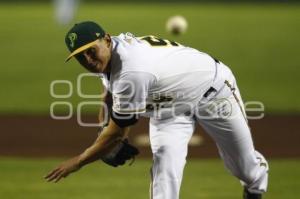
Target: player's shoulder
125	44
125	39
145	41
131	52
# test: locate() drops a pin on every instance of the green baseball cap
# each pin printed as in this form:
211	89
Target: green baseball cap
82	36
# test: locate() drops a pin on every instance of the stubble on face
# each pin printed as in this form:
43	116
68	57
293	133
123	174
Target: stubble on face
96	58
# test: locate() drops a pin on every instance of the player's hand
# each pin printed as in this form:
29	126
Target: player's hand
63	170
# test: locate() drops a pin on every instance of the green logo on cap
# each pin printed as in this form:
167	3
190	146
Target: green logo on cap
72	37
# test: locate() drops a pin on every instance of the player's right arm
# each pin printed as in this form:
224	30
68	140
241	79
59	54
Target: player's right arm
106	141
112	135
104	111
128	100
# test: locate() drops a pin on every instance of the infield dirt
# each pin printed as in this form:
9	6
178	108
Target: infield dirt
41	136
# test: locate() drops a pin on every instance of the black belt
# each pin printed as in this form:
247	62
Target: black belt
209	91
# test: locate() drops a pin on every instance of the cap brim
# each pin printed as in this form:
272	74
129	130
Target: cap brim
80	49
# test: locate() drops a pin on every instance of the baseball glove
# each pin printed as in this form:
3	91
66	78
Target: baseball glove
120	154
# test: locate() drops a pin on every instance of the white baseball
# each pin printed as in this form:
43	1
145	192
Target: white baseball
176	25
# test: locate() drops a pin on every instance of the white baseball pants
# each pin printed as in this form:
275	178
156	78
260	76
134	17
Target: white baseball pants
223	117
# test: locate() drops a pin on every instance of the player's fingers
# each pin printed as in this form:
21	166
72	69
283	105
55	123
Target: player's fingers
54	176
58	178
51	173
63	174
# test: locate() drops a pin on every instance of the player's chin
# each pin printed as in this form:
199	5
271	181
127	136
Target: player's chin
103	67
100	68
94	68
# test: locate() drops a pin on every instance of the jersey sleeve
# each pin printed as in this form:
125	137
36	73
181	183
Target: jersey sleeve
130	92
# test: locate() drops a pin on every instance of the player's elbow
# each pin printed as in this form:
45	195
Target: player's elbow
123	120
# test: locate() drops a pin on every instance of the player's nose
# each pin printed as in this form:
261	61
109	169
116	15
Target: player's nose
89	59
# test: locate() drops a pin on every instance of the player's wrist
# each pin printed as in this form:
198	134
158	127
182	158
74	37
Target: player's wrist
80	161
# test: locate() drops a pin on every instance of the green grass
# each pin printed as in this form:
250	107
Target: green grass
207	179
258	41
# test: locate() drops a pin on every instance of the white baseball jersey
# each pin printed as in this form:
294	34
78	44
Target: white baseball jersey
159	78
155	76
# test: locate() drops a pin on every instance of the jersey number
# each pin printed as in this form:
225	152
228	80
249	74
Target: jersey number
155	41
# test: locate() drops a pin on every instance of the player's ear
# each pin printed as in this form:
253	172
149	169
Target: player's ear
107	38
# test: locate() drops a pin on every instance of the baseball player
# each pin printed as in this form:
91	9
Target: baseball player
177	87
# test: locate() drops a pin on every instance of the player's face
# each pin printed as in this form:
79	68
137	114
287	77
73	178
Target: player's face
96	58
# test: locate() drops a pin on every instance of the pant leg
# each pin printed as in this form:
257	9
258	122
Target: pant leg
169	143
224	120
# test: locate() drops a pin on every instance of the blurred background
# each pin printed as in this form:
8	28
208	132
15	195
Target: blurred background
259	40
